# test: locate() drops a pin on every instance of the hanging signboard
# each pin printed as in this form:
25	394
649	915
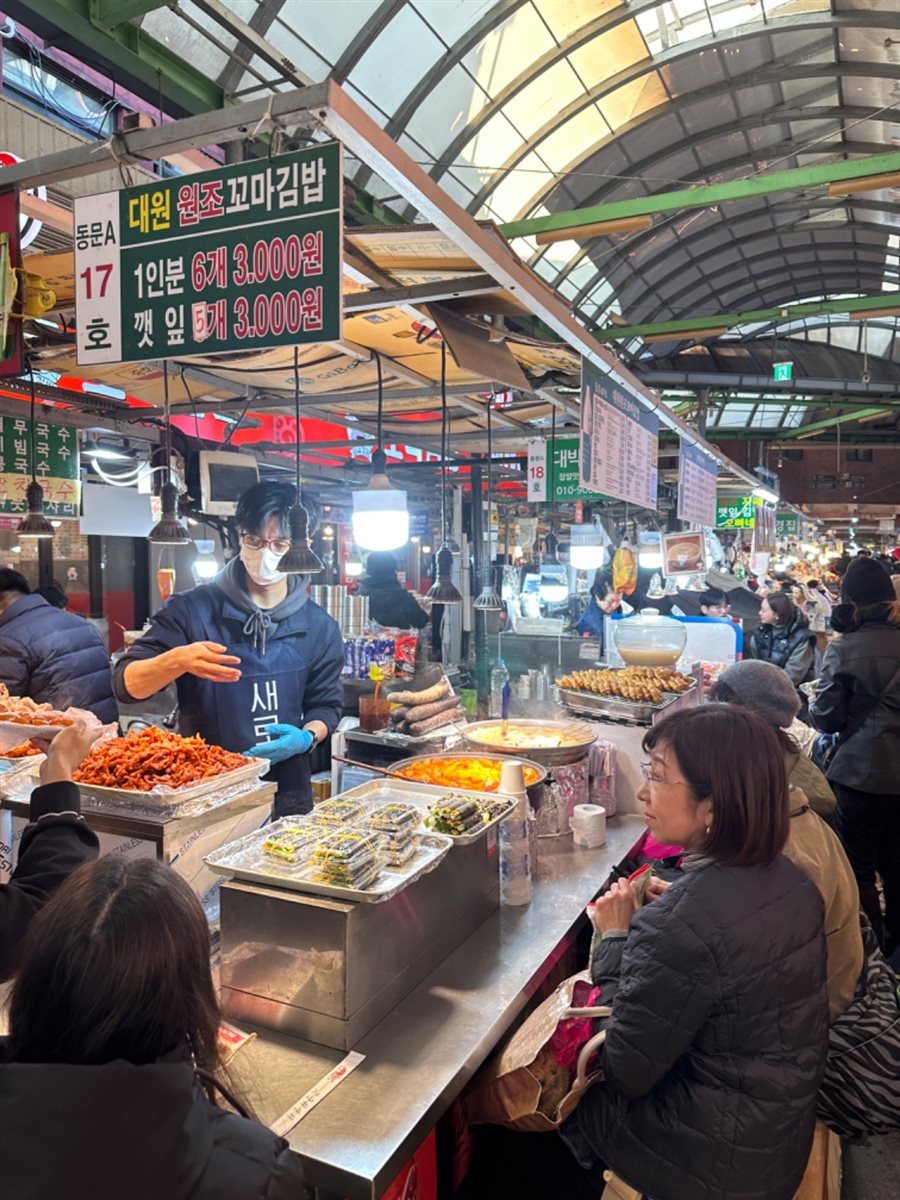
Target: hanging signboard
684	553
736	512
787	525
697	473
56	466
244	257
559	479
619	441
764	531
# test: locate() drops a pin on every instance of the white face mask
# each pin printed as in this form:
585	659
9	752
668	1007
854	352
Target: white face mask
262	565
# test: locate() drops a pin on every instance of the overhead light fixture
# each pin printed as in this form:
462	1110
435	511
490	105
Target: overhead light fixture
586	551
34	524
595	229
765	494
169	531
444	590
487	599
380	516
105	453
353	568
684	335
871	183
301	559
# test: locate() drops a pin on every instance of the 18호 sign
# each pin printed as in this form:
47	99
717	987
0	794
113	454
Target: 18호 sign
239	258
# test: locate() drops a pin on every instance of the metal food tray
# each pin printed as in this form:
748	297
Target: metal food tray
641	712
244	859
382	791
166	797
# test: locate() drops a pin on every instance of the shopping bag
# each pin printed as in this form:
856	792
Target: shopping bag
526	1086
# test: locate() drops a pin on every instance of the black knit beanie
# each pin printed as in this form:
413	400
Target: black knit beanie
866	582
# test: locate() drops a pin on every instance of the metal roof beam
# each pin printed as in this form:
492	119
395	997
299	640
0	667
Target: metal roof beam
749	382
247	35
421	293
830	422
117	12
786	312
708	195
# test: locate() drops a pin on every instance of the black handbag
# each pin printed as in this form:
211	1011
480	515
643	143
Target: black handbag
827	745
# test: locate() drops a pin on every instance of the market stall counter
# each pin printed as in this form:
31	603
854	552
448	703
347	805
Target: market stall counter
422	1054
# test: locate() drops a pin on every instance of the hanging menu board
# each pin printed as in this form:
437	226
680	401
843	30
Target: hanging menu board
697	473
556	480
619	441
241	258
56	466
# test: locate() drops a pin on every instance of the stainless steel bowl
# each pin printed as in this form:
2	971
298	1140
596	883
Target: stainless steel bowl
535	790
547	756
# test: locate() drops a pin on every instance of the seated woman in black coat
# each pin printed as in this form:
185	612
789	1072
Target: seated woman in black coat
716	1047
112	1053
390	604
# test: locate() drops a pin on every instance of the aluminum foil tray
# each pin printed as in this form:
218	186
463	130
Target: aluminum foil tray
614	707
408	791
244	859
164	798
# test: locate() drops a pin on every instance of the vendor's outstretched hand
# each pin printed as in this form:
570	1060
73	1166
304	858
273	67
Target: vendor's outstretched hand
67	751
287	740
616	908
208	660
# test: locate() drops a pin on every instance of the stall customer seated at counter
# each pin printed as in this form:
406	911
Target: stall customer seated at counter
256	663
603	601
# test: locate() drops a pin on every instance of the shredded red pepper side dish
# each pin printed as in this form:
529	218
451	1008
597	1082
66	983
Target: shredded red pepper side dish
155	758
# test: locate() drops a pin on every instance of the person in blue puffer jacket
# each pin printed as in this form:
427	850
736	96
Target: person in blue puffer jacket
54	657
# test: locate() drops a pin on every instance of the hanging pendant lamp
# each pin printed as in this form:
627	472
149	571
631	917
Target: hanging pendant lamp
487	600
34	524
444	590
169	530
380	515
301	559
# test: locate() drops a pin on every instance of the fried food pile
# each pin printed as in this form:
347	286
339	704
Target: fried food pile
642	684
22	710
155	758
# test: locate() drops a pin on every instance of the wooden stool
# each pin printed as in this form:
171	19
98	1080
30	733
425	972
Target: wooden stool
821	1179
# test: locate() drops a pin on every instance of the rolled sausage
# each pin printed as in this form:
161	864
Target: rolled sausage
428	696
443	718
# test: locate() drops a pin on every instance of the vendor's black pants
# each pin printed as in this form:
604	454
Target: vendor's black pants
871	837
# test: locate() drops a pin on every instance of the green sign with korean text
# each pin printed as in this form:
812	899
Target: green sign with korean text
736	512
565	482
56	466
787	525
240	258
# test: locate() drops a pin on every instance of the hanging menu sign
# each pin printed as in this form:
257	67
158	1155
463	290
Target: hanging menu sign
619	441
56	466
697	473
556	476
241	258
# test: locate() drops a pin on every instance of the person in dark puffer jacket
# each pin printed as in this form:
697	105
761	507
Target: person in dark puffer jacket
54	657
784	638
717	1044
112	1052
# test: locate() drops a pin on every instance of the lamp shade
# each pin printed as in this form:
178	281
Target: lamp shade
35	524
444	590
169	531
301	559
586	551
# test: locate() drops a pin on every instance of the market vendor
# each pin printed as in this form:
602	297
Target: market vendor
256	663
603	601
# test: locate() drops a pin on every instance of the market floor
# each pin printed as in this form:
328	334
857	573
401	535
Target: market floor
871	1171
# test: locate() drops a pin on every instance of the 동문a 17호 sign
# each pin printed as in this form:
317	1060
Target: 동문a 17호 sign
619	441
244	257
697	473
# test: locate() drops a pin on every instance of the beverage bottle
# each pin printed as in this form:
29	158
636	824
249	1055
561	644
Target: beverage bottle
499	676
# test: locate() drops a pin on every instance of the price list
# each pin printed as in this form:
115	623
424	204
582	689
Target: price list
697	473
619	441
241	258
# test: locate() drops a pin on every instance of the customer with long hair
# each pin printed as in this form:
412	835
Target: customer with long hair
783	637
858	697
112	1053
717	1043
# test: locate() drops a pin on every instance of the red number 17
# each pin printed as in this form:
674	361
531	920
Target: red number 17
104	270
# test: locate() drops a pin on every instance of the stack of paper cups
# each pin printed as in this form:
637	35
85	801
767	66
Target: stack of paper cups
515	848
589	825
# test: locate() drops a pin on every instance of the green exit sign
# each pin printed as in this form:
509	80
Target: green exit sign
782	372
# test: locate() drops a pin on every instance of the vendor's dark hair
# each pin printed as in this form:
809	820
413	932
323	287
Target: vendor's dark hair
602	585
783	607
13	581
721	693
731	756
116	966
711	596
268	499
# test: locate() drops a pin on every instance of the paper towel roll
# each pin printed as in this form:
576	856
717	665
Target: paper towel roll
589	825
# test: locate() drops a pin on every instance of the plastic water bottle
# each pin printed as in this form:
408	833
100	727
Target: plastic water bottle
499	676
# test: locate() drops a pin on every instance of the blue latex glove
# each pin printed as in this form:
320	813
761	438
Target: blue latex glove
287	740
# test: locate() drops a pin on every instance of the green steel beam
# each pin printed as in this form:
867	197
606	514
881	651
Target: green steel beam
708	195
829	422
786	401
117	12
123	52
784	312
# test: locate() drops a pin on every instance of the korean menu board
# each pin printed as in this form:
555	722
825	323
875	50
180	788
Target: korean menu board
619	441
556	476
56	466
240	258
736	512
696	486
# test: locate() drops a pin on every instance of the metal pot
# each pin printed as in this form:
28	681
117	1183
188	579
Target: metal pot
547	756
535	790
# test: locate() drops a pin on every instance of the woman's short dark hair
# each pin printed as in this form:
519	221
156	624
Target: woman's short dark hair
783	607
731	756
268	499
116	966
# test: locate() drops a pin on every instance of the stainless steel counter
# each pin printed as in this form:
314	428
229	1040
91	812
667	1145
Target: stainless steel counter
420	1056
